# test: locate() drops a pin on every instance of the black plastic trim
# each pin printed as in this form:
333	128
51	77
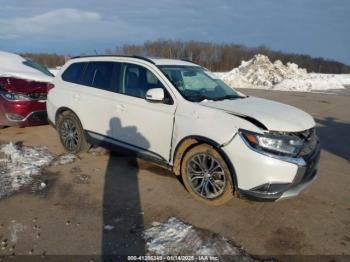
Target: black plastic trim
126	56
135	151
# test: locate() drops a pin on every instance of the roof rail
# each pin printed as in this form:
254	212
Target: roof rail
144	58
127	56
187	60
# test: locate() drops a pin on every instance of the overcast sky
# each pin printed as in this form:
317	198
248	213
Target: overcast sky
315	27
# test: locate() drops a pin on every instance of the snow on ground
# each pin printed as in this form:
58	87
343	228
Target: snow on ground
13	65
261	73
177	238
19	165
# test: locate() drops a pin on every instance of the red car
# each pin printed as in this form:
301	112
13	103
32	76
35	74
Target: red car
23	90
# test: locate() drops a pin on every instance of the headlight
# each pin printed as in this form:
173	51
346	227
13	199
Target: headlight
273	144
15	97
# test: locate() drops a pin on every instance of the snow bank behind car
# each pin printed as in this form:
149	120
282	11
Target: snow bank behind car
261	73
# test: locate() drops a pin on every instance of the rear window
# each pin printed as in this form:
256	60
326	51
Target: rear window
101	76
38	67
74	73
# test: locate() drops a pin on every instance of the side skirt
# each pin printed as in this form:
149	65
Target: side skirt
120	146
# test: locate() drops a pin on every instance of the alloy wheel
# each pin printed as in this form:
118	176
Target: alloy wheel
206	176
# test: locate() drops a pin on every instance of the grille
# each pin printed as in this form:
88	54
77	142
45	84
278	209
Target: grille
311	141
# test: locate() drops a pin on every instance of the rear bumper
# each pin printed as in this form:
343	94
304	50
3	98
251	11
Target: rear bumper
22	113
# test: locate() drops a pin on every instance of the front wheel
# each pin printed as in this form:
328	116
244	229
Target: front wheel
206	175
71	133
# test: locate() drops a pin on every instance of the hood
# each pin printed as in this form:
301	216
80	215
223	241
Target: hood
275	116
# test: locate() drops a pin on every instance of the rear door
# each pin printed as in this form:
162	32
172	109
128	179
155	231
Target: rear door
94	97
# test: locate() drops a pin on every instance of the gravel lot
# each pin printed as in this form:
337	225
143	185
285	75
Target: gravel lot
100	189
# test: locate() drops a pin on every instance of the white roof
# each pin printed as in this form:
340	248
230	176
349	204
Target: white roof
12	65
157	61
165	61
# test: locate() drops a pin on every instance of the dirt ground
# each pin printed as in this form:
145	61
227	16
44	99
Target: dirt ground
69	216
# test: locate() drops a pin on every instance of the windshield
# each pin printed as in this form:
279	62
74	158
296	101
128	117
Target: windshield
197	84
38	67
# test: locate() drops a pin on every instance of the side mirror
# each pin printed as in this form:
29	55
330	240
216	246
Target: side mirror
155	95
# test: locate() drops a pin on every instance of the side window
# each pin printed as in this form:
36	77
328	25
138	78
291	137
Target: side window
74	73
137	80
102	75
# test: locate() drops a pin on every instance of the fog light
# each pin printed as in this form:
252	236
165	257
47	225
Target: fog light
14	117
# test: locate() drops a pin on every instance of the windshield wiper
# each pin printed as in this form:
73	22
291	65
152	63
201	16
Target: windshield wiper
199	98
227	97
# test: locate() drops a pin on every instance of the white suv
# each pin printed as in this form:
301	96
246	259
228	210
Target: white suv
178	114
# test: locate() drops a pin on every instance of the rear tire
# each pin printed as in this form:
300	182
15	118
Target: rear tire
206	175
71	133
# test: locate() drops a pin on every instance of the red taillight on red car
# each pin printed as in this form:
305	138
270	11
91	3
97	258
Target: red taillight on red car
50	86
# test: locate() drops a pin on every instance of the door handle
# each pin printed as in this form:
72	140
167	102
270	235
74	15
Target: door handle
120	108
76	97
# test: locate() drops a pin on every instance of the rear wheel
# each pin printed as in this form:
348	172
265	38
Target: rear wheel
206	175
71	133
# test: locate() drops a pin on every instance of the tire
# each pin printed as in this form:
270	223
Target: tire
71	133
213	187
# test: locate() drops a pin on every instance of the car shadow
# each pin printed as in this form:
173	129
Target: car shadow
122	212
334	136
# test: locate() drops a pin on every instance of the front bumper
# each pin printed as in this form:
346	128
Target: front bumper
22	113
264	178
305	176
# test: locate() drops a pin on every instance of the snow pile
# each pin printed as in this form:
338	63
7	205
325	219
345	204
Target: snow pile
177	238
20	164
12	65
260	72
63	159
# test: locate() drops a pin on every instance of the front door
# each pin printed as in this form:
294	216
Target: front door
146	126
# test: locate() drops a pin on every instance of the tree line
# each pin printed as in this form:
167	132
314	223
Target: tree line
214	56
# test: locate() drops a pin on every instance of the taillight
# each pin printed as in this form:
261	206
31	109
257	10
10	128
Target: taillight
50	86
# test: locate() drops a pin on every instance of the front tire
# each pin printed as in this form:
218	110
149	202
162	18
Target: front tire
206	175
71	133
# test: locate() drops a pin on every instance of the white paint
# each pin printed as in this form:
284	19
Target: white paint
159	127
275	116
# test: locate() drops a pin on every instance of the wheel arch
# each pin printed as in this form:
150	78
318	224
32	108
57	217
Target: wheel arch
189	142
61	111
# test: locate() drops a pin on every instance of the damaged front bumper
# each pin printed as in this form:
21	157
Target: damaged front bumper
306	174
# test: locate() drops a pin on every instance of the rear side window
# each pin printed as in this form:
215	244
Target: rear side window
102	75
74	73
